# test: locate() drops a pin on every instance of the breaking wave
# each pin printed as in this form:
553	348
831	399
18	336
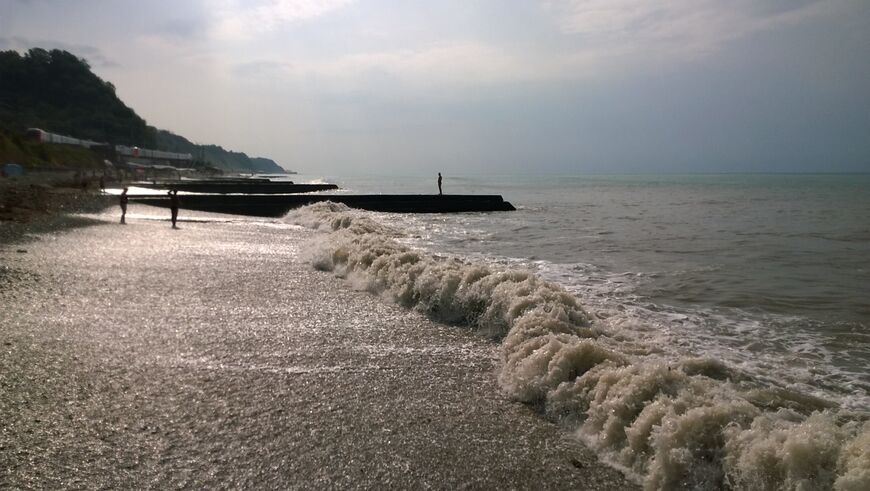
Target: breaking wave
668	421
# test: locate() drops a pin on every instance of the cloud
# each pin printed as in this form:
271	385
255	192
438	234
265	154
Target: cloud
457	63
183	29
263	69
246	19
93	55
439	68
600	38
682	28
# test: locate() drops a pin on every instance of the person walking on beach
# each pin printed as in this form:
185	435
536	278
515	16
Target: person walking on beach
123	201
439	184
173	205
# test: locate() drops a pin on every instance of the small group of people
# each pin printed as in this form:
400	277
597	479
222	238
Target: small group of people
174	203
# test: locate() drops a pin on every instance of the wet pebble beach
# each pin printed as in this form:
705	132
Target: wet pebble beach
214	357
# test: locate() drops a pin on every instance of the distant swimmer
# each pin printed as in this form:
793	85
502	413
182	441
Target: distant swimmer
123	202
173	205
439	184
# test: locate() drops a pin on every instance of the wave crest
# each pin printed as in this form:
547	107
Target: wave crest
689	422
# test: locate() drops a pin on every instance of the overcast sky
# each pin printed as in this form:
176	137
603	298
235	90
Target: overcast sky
475	86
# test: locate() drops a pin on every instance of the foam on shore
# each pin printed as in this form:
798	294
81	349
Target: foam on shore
667	419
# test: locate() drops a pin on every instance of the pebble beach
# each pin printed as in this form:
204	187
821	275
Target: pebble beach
214	356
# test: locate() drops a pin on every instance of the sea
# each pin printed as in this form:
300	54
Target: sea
699	331
769	272
703	331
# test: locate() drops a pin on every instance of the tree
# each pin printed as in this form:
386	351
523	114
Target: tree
57	91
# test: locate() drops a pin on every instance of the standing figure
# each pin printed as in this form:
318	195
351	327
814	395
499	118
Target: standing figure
123	201
439	184
173	206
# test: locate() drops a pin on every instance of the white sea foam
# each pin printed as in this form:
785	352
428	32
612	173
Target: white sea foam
668	418
773	347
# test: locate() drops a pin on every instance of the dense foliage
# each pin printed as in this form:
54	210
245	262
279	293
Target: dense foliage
57	91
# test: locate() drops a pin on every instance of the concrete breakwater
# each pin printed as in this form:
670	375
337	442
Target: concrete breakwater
242	186
270	205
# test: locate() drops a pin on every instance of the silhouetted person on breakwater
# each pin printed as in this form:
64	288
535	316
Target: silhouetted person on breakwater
123	202
439	184
173	205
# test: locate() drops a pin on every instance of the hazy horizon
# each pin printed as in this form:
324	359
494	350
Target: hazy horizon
556	87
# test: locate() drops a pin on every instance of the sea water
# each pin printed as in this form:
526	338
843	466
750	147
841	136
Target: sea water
699	331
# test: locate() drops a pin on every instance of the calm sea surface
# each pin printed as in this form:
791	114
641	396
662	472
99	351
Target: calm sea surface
768	272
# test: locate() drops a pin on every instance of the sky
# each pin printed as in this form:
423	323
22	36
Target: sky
485	86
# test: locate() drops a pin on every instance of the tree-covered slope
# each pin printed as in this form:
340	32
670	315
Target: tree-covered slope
57	91
215	154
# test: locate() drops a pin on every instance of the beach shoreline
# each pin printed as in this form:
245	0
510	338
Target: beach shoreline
213	356
36	203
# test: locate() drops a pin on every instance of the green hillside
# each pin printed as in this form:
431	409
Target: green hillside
15	148
57	91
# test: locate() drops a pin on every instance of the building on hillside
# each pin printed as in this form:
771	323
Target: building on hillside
137	161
